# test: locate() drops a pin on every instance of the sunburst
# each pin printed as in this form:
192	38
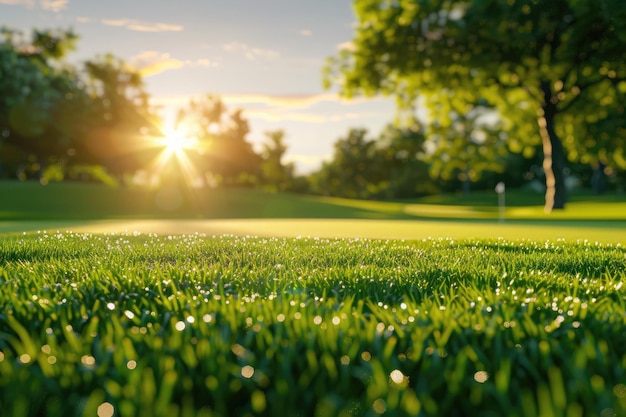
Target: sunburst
176	144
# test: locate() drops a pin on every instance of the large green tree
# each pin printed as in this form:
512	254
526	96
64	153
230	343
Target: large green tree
540	62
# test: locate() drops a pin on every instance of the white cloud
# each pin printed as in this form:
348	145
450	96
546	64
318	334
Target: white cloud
276	108
54	5
27	3
152	62
290	101
306	32
346	46
83	19
249	52
273	115
140	26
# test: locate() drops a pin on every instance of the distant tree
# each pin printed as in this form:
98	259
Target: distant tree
347	173
464	141
224	155
37	89
401	171
277	175
535	61
119	117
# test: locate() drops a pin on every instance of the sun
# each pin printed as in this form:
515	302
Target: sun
178	148
176	141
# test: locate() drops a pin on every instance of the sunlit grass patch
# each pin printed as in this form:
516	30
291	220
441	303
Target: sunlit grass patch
158	325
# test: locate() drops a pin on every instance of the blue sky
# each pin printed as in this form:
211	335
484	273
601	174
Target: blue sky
264	56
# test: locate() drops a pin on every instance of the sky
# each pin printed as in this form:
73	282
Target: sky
262	56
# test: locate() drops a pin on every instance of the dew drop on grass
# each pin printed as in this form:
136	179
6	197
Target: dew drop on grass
180	326
396	376
88	360
247	371
25	358
105	410
379	406
111	306
131	365
238	350
481	377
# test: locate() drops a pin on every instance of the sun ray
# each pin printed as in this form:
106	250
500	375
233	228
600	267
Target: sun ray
176	144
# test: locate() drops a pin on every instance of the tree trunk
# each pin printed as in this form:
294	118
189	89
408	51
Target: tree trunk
553	154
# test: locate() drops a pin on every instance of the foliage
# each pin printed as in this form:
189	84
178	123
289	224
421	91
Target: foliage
390	166
276	175
348	174
224	157
120	118
400	170
55	114
550	68
464	143
185	325
37	94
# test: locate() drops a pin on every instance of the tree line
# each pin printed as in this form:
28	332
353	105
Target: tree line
534	111
94	121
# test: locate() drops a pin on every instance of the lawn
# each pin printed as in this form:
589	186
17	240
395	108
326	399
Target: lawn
187	325
118	302
28	206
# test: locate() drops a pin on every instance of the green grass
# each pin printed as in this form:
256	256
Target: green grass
32	201
63	201
153	325
28	206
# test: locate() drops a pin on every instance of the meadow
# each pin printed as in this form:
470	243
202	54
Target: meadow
243	303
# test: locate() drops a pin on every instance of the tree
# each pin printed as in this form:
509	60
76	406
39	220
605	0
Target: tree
119	117
276	175
36	90
536	61
348	174
223	154
464	143
400	169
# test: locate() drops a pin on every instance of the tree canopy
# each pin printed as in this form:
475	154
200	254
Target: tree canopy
554	69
